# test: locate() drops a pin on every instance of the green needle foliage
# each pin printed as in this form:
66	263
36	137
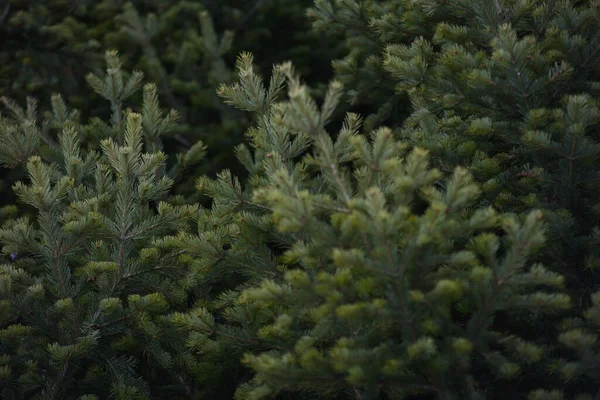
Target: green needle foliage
85	300
187	47
509	90
425	226
378	284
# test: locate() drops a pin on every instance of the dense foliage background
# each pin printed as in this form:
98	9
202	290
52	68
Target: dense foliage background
187	48
341	199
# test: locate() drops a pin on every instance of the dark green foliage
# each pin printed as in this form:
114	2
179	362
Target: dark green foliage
85	299
443	247
187	47
363	29
506	88
389	287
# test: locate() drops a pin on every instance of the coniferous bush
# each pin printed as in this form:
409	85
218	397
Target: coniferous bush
509	90
187	47
387	285
424	227
85	297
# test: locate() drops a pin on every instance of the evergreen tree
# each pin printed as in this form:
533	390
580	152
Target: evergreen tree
363	29
85	296
187	47
377	283
507	89
444	248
